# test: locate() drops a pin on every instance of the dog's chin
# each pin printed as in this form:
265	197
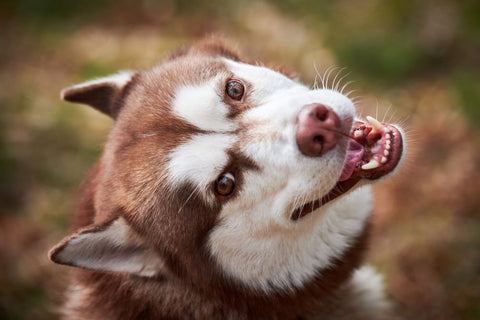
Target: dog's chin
374	150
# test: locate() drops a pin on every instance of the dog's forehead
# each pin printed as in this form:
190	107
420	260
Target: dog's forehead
171	75
198	97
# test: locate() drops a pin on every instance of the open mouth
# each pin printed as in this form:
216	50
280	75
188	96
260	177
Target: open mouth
374	150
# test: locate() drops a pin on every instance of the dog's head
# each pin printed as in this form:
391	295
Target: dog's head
219	169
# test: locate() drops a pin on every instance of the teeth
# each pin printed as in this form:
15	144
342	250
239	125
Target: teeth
375	123
386	153
387	147
372	164
357	133
384	159
387	136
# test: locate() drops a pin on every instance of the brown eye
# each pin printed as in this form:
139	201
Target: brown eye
235	90
225	184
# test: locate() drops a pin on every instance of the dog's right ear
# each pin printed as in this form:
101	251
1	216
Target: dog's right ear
109	247
104	94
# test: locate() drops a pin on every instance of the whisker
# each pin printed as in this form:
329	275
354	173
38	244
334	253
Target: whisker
327	76
360	111
350	92
322	77
386	112
339	71
317	75
345	86
189	197
341	79
391	117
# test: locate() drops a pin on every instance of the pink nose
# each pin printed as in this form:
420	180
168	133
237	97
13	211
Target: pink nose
316	129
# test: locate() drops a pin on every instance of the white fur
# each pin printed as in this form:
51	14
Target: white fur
369	285
200	160
77	297
202	106
368	296
282	258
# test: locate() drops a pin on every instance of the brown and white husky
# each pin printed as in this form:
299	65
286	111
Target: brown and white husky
226	191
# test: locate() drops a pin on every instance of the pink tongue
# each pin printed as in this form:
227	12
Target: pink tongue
354	154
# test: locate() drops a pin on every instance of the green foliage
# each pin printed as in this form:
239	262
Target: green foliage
391	59
466	89
50	13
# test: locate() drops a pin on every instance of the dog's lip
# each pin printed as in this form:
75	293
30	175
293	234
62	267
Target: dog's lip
374	150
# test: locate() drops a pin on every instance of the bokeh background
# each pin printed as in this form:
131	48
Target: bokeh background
412	62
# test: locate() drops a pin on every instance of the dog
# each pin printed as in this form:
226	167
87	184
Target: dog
226	190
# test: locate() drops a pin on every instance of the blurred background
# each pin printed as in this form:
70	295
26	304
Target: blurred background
412	62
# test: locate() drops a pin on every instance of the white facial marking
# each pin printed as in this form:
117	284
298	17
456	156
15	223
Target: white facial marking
200	160
265	81
202	107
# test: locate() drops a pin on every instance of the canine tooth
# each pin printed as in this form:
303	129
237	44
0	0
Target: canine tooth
375	123
387	136
386	153
384	159
372	164
357	133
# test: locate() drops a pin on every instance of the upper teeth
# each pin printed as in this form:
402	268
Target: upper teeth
375	123
372	164
382	156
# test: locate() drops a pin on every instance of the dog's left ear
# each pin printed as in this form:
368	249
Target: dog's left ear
104	94
113	247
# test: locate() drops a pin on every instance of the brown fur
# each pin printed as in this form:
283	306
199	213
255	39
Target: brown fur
129	181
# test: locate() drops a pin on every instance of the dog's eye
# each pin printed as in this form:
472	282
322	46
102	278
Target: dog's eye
225	184
235	89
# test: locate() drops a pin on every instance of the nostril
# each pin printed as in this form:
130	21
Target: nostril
318	139
316	127
321	113
322	116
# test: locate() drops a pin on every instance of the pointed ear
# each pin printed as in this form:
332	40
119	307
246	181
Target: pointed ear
104	94
113	246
